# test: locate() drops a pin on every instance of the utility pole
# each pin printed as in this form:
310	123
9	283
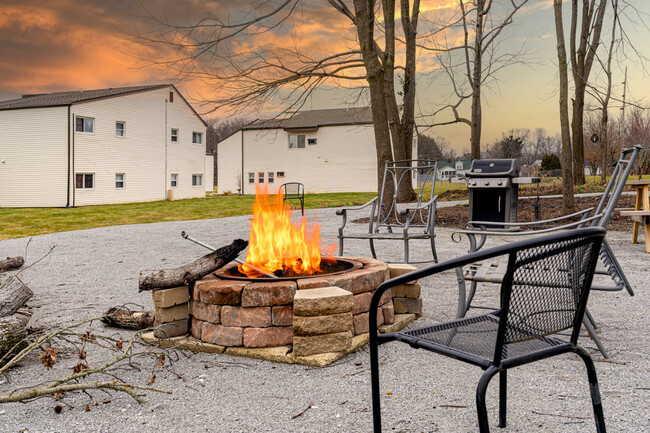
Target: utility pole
622	122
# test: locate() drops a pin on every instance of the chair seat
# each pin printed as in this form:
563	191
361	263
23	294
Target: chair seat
473	340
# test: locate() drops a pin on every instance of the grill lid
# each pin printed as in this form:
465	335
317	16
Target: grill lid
494	168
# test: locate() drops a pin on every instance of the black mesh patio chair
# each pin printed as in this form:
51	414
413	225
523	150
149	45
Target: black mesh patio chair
294	191
545	290
603	213
403	222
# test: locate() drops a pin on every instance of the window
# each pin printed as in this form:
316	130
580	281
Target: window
197	138
251	177
119	180
171	96
174	180
311	141
84	180
260	177
175	135
197	180
270	176
297	141
85	124
119	129
280	173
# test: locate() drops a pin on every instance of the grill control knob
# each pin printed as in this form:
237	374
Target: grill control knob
499	182
487	183
473	183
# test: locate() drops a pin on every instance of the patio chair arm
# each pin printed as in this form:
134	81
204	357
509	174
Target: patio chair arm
433	201
584	213
484	233
353	208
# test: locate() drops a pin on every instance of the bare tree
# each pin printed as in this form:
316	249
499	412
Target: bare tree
434	148
249	73
217	131
568	203
481	59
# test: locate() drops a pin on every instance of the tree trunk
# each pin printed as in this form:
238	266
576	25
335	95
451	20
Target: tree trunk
568	203
187	274
577	132
11	263
13	295
476	120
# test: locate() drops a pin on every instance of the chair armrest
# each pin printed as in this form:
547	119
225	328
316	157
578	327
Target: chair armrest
434	201
353	208
533	223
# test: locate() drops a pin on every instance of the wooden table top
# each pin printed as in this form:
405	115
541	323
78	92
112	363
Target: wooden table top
641	182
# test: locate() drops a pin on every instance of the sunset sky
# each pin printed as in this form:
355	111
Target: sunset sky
50	46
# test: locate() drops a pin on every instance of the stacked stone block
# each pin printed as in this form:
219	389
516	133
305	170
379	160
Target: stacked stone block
232	313
406	297
171	312
322	321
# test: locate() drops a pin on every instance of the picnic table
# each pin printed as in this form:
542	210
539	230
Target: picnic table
641	212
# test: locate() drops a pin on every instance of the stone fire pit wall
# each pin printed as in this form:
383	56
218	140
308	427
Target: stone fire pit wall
314	315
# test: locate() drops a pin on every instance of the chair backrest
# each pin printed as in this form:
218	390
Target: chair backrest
293	190
545	289
612	193
422	173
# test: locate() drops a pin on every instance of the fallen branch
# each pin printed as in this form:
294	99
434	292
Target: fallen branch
187	274
11	263
302	411
13	295
123	317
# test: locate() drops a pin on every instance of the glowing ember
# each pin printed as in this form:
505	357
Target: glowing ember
276	245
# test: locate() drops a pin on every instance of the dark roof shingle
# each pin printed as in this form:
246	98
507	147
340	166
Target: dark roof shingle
313	119
67	98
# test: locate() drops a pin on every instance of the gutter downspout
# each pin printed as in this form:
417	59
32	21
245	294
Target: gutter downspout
74	189
67	204
165	180
242	162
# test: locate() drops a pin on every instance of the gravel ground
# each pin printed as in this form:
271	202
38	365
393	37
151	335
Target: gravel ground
89	271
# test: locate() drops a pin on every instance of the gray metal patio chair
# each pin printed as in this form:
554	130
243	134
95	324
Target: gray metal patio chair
388	221
545	290
294	191
603	214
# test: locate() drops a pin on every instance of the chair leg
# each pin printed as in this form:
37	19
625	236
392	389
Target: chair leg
340	243
481	408
433	249
592	334
372	248
470	296
374	383
406	250
503	391
591	318
594	390
617	266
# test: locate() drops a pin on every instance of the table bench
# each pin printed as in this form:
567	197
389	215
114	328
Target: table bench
641	212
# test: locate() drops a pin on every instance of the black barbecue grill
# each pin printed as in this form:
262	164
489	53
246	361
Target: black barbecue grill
493	190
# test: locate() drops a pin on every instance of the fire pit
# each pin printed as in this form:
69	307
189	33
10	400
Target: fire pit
286	302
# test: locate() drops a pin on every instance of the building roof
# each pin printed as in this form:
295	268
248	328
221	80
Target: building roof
68	98
313	119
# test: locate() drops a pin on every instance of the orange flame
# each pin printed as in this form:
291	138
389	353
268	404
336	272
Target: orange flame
276	245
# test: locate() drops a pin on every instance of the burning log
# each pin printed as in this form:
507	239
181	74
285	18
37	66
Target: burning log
187	274
11	263
122	317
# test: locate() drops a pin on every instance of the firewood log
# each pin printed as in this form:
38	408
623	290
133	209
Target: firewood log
13	295
187	274
11	263
124	318
12	332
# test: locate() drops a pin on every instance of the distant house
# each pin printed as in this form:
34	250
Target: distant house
117	145
326	150
451	168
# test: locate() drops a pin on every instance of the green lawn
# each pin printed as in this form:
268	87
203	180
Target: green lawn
22	222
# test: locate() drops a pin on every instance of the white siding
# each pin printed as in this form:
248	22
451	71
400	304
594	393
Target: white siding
229	163
342	160
33	157
209	173
140	155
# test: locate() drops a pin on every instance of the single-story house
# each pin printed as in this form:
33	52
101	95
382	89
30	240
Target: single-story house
117	145
326	150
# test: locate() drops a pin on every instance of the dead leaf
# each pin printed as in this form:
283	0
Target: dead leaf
119	342
59	396
161	360
87	408
82	354
152	380
81	366
48	357
88	336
